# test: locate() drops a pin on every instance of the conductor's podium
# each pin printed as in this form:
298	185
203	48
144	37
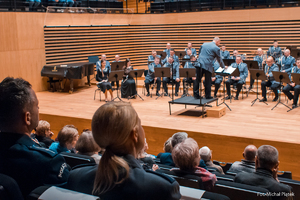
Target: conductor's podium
216	111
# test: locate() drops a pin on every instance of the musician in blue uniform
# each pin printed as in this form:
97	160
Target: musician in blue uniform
260	61
287	62
190	47
208	52
167	50
102	78
153	56
172	54
117	59
235	53
150	78
292	86
188	54
275	51
237	80
174	74
224	53
269	68
21	158
190	64
217	80
103	58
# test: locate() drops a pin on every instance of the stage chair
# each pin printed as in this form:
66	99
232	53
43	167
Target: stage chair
9	188
97	90
73	159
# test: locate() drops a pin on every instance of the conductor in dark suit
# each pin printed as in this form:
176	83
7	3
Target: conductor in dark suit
208	52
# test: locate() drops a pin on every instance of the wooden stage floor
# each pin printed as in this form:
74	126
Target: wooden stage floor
226	136
258	121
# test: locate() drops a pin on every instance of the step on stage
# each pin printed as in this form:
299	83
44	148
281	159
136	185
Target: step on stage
188	100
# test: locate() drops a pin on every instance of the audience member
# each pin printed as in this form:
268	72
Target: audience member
265	175
119	174
33	4
206	156
167	147
86	145
247	164
166	158
186	157
43	134
20	158
147	159
67	138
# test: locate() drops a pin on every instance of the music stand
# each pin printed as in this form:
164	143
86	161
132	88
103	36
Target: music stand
187	73
257	74
223	73
180	54
228	62
136	73
281	77
162	54
116	76
183	61
251	64
162	72
115	66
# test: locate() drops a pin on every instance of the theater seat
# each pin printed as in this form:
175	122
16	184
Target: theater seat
73	159
237	190
9	188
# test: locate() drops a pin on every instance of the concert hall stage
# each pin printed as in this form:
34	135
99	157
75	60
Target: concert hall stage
226	136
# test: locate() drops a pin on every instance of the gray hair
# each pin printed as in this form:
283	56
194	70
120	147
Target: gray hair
267	156
205	153
216	39
178	138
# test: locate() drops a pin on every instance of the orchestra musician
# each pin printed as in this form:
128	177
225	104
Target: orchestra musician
269	68
235	53
188	54
103	58
190	47
208	52
153	56
237	80
224	53
174	75
260	58
150	78
128	88
287	62
217	80
102	77
190	64
167	50
172	54
275	51
292	87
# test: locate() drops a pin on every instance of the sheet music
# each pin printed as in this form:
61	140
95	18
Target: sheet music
219	70
229	70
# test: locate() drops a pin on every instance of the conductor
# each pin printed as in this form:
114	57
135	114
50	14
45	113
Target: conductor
208	52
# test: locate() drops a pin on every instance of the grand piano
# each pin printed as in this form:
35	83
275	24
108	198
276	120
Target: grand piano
71	71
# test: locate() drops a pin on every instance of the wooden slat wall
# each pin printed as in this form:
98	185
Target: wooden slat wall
73	44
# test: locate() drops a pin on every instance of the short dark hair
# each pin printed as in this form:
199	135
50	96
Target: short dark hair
275	41
223	45
178	138
15	95
267	156
172	49
192	56
298	58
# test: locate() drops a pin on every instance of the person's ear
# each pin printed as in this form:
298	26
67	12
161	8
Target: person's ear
244	154
28	118
135	135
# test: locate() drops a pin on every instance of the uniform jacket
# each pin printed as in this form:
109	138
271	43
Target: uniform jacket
243	70
150	76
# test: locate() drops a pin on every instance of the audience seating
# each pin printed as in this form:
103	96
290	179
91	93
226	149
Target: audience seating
294	184
9	188
75	159
225	166
236	190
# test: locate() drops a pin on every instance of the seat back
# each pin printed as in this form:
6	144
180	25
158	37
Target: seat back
284	174
237	190
9	188
225	166
294	184
76	159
